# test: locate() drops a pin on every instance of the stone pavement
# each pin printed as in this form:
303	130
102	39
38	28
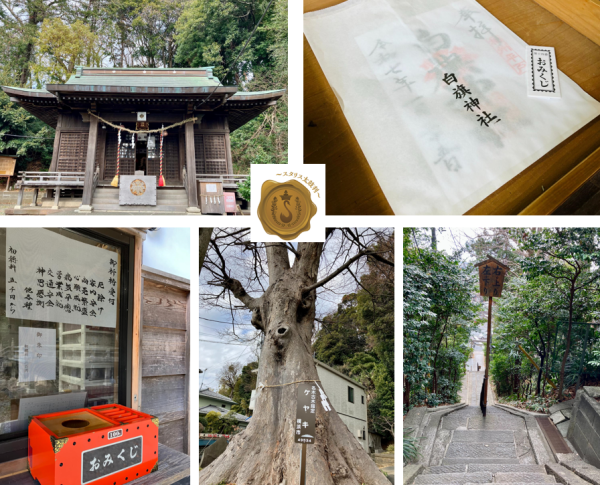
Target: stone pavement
469	448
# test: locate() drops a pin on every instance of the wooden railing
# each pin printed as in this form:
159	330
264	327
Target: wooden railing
49	180
226	179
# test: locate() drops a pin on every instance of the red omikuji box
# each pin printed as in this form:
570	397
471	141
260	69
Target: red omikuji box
104	445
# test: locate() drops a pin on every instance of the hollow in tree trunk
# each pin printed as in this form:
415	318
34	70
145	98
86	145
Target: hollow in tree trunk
265	452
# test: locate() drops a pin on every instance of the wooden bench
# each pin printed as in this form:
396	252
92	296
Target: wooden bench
49	180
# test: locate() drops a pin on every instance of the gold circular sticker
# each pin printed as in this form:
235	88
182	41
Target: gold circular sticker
285	208
137	187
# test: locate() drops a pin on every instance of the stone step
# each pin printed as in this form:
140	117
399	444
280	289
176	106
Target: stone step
485	461
478	451
161	194
481	436
495	468
436	470
458	478
565	475
517	477
140	208
383	459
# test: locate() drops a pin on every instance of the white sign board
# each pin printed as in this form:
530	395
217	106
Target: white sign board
37	354
211	188
53	278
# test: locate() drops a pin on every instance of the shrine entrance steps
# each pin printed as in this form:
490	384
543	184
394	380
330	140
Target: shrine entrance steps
462	447
168	199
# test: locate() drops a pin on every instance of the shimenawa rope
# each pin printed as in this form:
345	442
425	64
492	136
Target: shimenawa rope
262	386
158	130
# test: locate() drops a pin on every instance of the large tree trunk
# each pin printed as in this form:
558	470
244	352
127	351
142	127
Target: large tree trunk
265	453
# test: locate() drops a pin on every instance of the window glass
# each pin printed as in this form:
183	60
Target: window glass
350	394
59	324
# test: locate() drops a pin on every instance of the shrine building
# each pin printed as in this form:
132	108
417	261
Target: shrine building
88	110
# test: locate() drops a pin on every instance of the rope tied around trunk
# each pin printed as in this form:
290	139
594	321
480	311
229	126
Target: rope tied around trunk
158	130
262	386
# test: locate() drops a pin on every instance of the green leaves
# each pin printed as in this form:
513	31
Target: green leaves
35	140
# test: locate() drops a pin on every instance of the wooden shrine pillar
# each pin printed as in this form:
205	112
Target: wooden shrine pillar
54	162
228	149
190	163
90	162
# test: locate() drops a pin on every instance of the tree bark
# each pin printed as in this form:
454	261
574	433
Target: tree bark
566	356
205	233
265	452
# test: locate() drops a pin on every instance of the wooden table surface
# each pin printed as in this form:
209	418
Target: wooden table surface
351	185
173	466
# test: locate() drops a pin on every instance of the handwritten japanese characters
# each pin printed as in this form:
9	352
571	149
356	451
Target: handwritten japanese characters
481	31
109	459
542	72
491	279
52	278
37	354
460	92
306	410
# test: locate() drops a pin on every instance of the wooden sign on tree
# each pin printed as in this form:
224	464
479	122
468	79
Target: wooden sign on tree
491	277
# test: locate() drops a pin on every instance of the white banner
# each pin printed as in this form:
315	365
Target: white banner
52	278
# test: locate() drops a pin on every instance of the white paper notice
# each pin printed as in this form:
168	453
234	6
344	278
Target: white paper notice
542	72
435	92
37	354
52	278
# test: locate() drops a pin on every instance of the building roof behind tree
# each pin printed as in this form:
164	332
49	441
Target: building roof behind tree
210	408
216	396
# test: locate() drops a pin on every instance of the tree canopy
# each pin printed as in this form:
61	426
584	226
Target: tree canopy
44	40
545	337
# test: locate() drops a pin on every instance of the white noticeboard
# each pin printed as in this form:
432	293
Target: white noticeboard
37	354
211	188
53	278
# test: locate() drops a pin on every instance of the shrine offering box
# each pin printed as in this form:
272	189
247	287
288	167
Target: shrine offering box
104	445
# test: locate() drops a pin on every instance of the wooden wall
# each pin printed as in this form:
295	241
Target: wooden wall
165	355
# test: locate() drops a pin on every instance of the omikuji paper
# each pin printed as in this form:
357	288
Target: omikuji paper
436	95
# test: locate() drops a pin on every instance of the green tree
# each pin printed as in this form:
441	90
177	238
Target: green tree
34	140
439	314
358	340
242	391
216	423
570	256
61	47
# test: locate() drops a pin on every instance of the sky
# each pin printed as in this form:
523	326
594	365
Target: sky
168	249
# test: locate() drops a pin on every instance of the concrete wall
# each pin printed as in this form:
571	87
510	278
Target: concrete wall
584	428
354	415
206	401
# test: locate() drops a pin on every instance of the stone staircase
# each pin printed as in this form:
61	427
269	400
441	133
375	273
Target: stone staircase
383	459
168	199
500	473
